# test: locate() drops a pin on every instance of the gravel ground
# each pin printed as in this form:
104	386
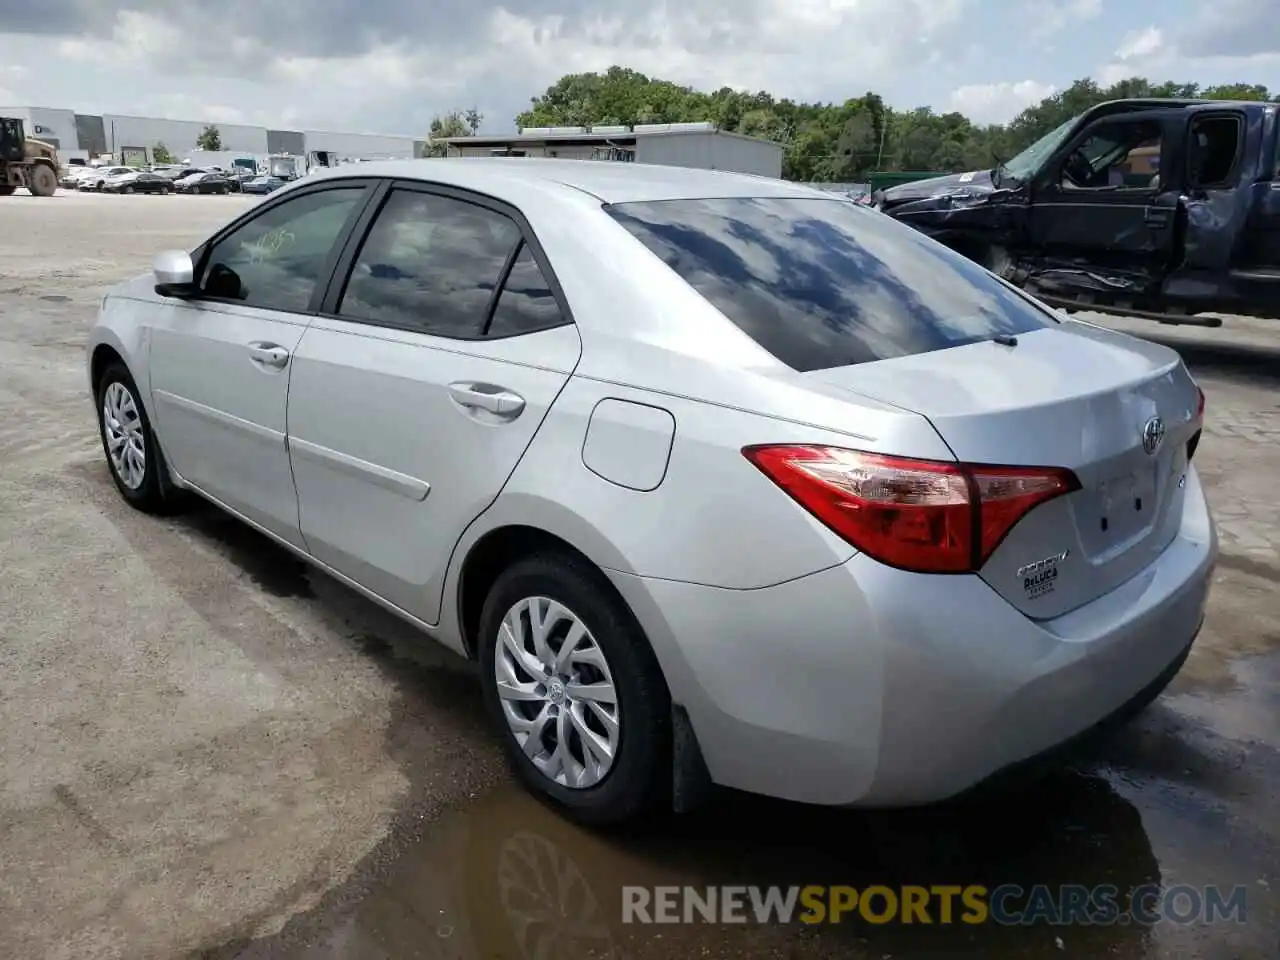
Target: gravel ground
207	750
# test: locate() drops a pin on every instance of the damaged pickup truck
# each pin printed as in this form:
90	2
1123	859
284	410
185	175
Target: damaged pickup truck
1164	209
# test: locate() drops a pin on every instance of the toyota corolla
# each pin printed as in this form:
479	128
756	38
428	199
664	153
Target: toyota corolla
719	478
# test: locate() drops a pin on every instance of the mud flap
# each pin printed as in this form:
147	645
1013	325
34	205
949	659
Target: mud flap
690	779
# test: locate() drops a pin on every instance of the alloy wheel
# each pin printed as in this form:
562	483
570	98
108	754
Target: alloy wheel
126	441
557	692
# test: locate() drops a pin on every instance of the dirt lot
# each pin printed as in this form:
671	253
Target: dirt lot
206	750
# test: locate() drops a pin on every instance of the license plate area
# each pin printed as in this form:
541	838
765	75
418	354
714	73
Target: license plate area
1125	505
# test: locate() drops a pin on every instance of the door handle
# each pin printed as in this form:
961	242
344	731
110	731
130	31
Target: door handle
1156	216
268	354
487	397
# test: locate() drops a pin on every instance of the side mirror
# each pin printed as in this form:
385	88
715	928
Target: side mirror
175	274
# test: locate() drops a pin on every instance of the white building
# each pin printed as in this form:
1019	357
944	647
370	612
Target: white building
82	136
698	145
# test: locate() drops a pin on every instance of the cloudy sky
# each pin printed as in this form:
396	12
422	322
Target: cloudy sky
387	66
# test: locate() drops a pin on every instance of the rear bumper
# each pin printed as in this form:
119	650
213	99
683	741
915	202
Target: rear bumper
862	684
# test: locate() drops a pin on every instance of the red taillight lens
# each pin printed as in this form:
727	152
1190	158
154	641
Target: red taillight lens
1194	443
923	515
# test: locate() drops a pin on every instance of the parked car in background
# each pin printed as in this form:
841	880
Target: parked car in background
262	184
96	178
203	183
178	172
239	177
70	177
138	181
800	501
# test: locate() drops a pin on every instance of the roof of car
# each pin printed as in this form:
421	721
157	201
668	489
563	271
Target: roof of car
611	182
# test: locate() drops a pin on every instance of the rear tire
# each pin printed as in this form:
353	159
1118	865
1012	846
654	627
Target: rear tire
638	771
43	181
6	190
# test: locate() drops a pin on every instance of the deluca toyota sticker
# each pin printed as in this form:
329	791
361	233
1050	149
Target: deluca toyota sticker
1041	576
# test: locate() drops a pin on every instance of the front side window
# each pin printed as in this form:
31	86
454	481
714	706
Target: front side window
429	264
1123	154
827	283
277	259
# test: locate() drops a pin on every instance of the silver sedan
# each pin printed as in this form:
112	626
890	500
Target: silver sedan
720	479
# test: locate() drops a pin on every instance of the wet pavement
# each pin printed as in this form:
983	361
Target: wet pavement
1184	796
208	750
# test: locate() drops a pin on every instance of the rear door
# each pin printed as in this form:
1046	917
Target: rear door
1108	199
441	346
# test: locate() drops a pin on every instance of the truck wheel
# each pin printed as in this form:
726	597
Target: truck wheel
43	181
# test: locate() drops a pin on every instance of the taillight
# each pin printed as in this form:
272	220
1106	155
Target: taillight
1194	442
928	516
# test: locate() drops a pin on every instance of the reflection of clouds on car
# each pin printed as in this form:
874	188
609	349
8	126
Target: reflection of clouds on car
430	260
823	282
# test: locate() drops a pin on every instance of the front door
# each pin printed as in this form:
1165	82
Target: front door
220	362
1104	200
418	389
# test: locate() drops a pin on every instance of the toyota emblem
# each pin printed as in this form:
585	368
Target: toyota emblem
1152	435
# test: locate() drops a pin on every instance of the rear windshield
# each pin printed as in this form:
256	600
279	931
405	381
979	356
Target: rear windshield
826	283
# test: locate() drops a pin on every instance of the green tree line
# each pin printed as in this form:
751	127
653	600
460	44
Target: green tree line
832	142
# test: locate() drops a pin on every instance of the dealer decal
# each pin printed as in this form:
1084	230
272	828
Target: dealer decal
1040	577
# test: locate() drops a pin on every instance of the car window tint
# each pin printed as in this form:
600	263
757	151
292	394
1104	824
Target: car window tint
429	264
275	260
526	302
827	283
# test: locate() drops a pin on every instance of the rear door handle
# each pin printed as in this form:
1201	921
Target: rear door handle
268	354
487	397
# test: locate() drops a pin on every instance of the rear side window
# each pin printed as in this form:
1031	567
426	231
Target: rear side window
526	302
430	264
825	283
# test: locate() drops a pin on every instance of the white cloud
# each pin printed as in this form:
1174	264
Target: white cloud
998	102
1140	43
1052	16
140	62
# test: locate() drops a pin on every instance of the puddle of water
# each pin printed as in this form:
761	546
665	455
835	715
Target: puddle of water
509	878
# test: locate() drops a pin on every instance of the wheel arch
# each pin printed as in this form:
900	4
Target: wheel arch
103	355
493	552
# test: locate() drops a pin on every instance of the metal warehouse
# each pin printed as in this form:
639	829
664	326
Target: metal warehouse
80	135
674	144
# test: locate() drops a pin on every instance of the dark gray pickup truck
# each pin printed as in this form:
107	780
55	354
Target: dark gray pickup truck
1165	209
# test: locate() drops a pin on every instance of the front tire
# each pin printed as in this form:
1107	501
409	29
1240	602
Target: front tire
43	181
133	455
577	694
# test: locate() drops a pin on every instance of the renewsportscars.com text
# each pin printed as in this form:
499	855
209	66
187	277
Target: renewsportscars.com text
1007	905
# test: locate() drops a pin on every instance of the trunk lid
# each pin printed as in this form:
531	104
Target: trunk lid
1074	396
